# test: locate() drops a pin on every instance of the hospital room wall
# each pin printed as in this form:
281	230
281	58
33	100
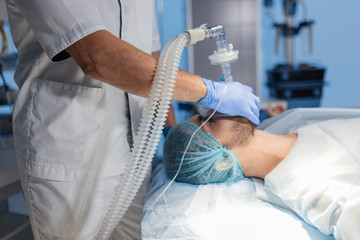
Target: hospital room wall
171	20
336	39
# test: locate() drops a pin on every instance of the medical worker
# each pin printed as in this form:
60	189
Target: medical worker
85	69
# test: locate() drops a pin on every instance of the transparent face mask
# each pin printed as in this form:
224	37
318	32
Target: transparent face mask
205	112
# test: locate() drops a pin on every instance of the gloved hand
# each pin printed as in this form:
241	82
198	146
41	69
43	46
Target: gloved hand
238	99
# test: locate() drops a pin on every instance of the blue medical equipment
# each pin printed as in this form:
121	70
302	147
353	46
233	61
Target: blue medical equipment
299	84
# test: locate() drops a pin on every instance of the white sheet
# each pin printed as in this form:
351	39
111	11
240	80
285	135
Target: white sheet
218	211
230	210
320	177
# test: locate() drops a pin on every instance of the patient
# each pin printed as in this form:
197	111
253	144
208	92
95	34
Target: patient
315	171
231	144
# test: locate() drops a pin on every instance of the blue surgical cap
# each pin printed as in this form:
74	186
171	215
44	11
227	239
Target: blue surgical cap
206	160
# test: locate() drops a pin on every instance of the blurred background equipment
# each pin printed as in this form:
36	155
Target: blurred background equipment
8	61
300	84
14	219
7	94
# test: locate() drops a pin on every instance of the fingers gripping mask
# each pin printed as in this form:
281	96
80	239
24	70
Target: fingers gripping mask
206	160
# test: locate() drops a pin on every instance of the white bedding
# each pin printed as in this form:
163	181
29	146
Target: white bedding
218	211
320	177
229	210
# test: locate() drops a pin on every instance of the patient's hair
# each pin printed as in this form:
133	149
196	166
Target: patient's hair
206	160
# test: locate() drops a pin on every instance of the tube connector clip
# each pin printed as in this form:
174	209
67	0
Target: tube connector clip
203	32
195	35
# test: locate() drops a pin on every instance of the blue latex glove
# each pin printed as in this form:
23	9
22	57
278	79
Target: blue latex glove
238	99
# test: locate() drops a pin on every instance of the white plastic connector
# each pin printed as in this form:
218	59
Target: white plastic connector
196	35
228	56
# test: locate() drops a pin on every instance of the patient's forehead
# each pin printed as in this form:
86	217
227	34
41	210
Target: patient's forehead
220	128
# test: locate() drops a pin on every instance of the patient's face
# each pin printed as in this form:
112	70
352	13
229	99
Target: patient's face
220	128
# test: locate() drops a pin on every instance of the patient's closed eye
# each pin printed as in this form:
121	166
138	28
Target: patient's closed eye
201	119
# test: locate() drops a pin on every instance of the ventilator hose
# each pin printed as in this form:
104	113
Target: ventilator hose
148	135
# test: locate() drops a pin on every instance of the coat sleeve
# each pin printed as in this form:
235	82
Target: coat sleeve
59	23
156	44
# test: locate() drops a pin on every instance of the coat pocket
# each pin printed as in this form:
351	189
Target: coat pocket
64	125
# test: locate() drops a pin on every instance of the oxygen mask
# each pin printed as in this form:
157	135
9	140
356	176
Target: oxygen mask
205	113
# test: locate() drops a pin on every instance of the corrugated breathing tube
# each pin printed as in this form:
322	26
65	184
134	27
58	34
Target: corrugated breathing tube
148	135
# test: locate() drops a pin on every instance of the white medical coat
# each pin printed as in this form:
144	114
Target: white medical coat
62	117
320	177
68	127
